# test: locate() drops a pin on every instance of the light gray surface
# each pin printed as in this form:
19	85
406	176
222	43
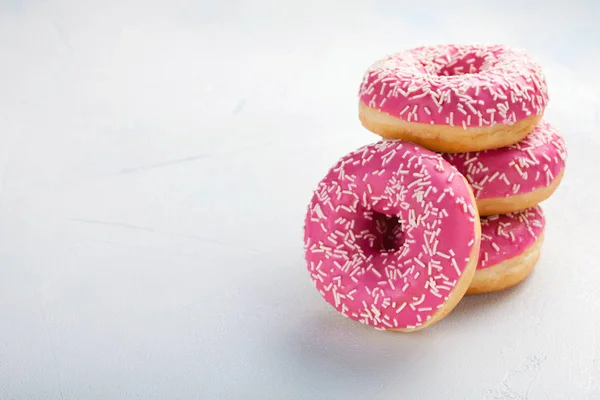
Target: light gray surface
156	158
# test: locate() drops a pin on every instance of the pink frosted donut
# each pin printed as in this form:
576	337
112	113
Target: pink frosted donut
392	236
454	98
515	177
510	248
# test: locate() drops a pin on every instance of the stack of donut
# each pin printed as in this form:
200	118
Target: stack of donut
446	204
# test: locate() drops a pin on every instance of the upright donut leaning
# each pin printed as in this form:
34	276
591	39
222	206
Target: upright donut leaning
392	236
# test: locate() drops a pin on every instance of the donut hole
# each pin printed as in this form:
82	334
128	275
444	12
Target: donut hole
456	66
389	229
378	233
385	233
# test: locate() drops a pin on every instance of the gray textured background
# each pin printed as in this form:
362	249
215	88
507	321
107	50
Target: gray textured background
156	159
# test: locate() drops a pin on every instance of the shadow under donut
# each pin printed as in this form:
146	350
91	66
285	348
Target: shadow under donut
475	304
327	354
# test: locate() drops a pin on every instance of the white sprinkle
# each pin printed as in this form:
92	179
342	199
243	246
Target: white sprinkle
319	212
549	177
518	168
471	210
441	197
391	283
347	209
373	308
386	323
455	266
470	160
401	308
336	297
419	301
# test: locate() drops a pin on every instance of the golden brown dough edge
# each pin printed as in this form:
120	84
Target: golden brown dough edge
503	205
445	138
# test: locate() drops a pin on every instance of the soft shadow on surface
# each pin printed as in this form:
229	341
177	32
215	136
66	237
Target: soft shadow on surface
475	304
329	341
326	354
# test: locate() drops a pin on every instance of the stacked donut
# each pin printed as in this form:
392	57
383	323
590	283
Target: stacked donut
447	203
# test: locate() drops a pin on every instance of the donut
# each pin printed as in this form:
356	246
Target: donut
391	236
454	98
510	248
516	177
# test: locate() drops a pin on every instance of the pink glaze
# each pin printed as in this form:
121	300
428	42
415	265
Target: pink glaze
531	164
468	86
509	235
388	232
